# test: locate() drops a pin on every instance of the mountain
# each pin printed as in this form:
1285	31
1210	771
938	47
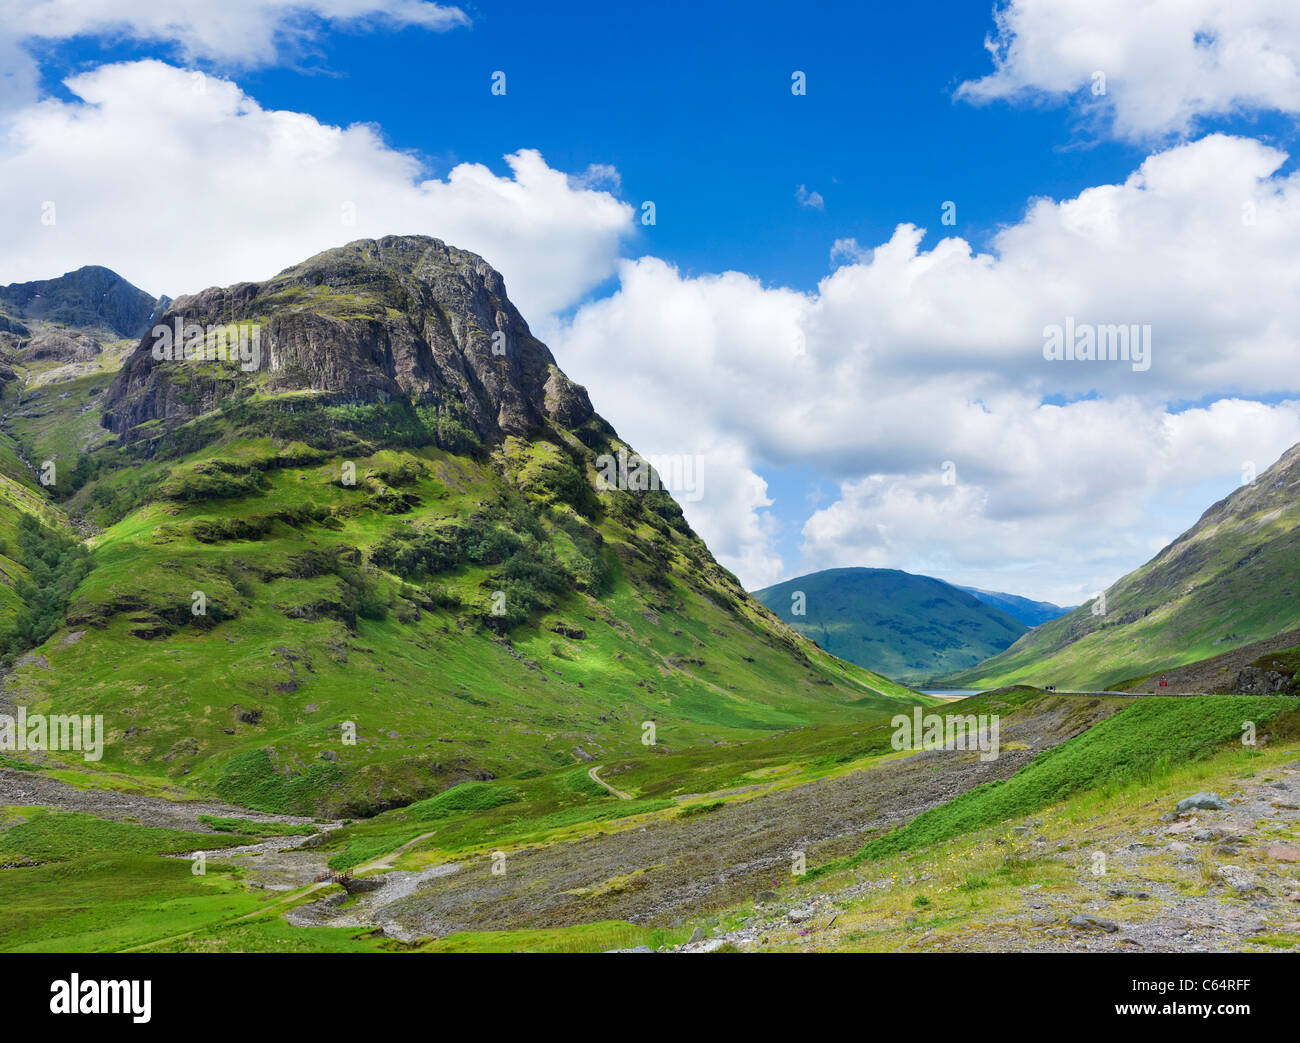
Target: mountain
55	334
352	548
898	624
1031	613
91	298
62	339
1230	580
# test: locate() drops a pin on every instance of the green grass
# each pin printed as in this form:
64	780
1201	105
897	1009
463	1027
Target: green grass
1140	742
468	796
304	631
110	888
252	828
49	836
102	885
592	937
274	934
108	901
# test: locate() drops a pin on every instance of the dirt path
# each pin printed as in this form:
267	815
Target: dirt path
599	781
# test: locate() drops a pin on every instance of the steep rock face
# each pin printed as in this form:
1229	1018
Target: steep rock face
89	298
403	316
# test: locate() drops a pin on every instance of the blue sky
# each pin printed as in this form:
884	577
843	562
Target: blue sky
692	105
919	353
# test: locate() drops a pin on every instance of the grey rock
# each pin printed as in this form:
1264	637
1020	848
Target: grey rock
1085	922
1241	880
1252	680
1202	802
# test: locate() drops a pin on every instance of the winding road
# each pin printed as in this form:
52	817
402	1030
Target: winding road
601	782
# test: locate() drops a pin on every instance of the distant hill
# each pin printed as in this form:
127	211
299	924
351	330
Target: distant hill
897	624
1031	613
1230	580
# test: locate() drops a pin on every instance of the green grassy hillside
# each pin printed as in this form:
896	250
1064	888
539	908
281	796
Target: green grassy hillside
904	626
1230	580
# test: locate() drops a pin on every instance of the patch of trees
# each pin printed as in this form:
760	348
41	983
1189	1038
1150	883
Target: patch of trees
526	567
56	563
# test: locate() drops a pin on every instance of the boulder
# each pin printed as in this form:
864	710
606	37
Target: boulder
1201	802
1239	879
1086	922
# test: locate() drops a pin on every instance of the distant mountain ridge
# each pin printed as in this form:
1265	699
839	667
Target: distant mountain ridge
907	627
1031	613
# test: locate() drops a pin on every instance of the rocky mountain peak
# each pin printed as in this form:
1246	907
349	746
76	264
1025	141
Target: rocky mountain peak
377	319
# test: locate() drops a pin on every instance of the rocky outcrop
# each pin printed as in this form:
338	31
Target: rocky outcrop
8	324
403	316
60	346
1254	680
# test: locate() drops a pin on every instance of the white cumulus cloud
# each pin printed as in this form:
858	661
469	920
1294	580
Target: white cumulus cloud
180	181
1149	67
906	358
233	33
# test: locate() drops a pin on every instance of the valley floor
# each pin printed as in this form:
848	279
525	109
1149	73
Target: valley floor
1103	868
